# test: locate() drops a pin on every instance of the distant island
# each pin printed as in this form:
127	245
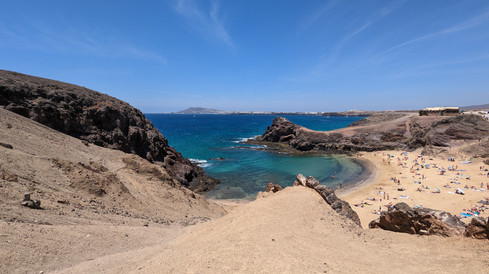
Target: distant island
199	110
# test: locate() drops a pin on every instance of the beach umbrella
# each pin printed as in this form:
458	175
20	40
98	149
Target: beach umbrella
460	190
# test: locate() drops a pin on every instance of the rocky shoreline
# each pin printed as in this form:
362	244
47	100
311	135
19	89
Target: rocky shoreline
377	133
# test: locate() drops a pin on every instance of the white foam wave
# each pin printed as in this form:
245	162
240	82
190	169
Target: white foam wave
197	161
244	140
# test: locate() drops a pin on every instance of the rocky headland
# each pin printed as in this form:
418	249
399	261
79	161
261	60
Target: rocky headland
98	119
384	131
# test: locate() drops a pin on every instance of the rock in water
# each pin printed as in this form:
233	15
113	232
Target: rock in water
99	119
281	130
402	218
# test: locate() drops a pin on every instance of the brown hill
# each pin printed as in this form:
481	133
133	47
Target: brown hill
96	118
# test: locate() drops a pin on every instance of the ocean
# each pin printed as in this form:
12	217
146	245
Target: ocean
214	142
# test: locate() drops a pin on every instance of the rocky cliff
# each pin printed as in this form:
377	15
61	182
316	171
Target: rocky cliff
99	119
381	132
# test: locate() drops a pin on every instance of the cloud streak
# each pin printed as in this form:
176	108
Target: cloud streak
370	21
311	19
208	23
40	37
473	22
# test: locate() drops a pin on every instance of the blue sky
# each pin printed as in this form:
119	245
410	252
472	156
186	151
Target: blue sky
336	55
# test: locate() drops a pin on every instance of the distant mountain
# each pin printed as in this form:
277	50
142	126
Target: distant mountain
486	106
197	110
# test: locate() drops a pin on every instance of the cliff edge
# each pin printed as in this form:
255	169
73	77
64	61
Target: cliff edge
98	119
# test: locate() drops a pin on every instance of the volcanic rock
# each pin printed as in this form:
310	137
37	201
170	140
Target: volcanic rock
301	180
99	119
382	132
27	202
273	187
341	207
478	228
402	218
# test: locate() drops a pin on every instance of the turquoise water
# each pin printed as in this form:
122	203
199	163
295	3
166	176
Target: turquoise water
214	142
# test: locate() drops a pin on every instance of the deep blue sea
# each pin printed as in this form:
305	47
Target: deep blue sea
214	142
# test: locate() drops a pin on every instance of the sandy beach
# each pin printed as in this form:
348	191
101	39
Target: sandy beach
410	177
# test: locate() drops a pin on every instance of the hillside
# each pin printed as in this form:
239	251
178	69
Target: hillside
90	198
98	119
475	107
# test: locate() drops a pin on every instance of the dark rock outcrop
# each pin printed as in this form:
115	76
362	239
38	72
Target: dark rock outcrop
271	187
402	132
425	221
28	202
478	228
99	119
341	207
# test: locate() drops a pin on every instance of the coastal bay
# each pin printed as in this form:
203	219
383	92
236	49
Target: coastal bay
221	145
89	208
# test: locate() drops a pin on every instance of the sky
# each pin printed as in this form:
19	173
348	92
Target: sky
256	55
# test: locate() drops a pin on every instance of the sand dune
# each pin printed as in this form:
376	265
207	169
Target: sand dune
295	231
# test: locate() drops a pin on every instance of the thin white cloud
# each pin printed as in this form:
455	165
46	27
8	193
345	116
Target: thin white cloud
41	37
208	23
369	22
473	22
322	11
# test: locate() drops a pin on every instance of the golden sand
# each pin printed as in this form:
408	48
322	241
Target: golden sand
406	178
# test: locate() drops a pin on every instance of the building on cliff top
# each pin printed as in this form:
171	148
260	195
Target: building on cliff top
440	111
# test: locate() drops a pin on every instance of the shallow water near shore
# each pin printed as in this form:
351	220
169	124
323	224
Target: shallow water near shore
215	142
